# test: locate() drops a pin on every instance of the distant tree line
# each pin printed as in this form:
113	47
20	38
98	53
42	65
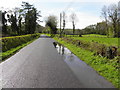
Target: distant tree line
99	28
20	21
110	26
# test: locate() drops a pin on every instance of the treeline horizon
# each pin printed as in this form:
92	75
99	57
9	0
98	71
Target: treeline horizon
24	20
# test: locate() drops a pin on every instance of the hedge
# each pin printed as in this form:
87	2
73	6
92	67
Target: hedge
12	42
99	49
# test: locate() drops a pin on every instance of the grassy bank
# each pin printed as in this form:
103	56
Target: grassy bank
105	67
12	51
12	42
25	40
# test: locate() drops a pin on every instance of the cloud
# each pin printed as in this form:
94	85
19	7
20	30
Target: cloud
108	1
16	3
13	3
83	20
87	19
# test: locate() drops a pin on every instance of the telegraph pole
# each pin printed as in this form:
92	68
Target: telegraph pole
60	23
61	30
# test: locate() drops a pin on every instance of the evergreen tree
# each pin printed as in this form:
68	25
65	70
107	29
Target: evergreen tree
4	23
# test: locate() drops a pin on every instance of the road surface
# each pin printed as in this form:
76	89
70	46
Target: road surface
39	65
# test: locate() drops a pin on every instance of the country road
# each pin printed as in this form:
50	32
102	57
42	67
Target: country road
39	65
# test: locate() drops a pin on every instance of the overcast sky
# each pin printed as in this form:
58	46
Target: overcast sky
88	11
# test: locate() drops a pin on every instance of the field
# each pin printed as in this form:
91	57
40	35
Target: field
102	39
94	35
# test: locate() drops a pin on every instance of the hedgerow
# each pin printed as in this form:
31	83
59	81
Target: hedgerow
12	42
99	49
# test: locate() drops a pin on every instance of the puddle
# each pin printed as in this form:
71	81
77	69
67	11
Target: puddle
68	56
83	72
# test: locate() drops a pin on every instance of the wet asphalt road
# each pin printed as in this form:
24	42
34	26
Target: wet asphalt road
39	65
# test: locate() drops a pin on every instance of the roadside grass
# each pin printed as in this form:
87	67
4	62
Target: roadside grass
12	51
105	67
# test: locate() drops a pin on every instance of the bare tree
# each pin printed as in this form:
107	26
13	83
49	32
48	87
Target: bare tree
105	16
73	18
62	17
119	18
113	16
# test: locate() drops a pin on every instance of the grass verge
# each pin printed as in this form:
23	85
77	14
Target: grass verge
12	51
105	67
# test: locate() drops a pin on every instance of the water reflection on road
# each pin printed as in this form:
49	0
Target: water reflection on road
68	56
83	72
